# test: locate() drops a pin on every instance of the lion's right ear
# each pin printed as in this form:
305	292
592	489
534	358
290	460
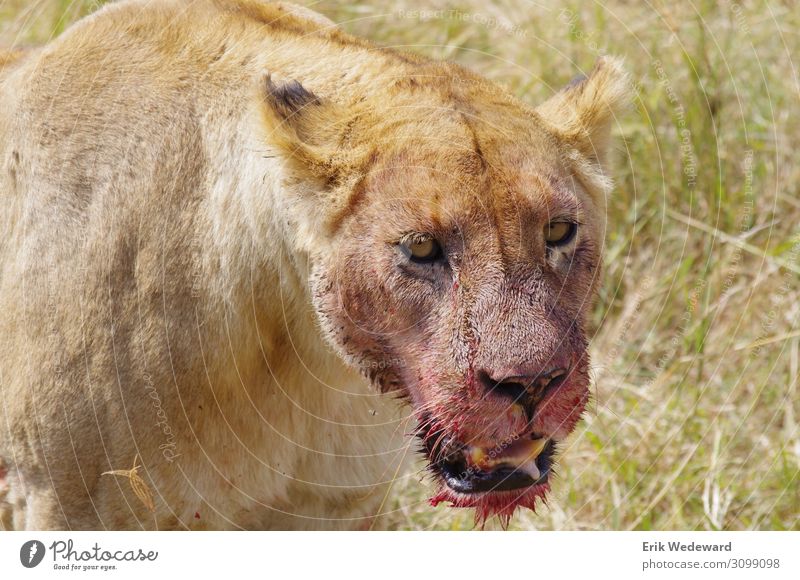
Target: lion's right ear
306	132
321	161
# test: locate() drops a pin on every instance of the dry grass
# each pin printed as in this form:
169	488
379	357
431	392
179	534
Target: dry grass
138	485
697	343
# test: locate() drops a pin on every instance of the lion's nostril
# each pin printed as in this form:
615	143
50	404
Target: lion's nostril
525	390
513	388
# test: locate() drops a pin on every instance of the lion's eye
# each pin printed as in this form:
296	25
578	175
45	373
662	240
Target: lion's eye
559	233
423	250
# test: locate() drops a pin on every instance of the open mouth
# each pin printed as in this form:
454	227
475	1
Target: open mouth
479	467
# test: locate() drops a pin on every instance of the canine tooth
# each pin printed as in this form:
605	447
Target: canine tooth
537	447
520	454
531	469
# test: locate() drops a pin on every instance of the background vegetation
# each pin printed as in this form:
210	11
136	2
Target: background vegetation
694	423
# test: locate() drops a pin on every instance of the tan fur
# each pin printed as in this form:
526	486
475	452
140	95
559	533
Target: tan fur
178	239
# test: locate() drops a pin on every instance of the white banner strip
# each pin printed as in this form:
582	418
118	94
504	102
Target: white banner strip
371	555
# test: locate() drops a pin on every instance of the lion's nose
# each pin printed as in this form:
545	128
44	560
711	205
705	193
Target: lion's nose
526	390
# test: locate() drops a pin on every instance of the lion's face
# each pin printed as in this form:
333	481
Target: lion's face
459	273
465	286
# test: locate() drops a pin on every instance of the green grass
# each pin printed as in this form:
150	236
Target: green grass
696	345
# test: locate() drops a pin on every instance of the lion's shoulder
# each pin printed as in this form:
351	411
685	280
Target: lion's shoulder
271	17
278	14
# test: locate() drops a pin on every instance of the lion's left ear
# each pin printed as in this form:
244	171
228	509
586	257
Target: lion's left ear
584	112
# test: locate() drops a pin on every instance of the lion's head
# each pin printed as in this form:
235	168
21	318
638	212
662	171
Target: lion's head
454	238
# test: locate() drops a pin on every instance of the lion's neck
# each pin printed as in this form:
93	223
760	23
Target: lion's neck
255	273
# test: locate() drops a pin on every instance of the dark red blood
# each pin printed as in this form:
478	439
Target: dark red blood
486	505
197	515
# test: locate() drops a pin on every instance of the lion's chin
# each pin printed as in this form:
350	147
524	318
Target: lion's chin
501	504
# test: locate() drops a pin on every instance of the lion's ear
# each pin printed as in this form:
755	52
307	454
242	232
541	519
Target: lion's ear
305	130
321	160
584	112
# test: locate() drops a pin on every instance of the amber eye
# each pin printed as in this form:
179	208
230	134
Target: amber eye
559	233
422	250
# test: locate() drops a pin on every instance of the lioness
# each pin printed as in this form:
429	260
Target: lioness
233	235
